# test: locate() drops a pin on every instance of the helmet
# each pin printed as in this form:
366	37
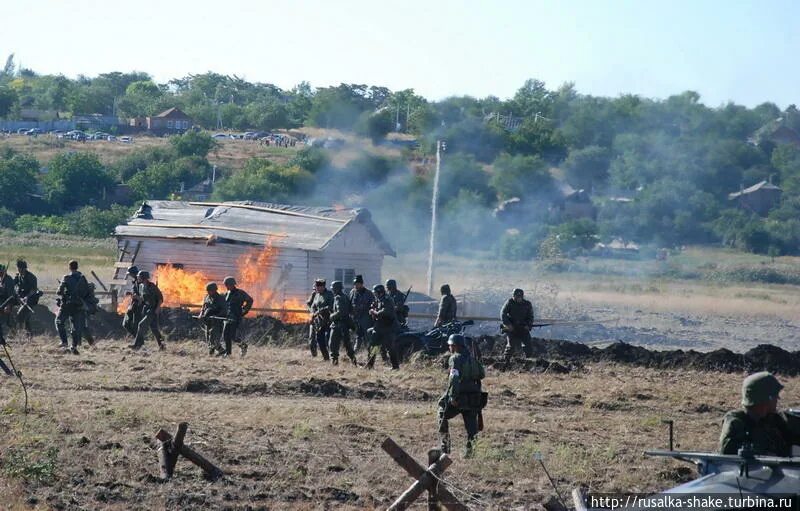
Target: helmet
144	275
519	292
211	286
456	340
759	388
21	264
337	285
359	279
391	284
319	282
378	288
73	265
229	281
445	289
133	270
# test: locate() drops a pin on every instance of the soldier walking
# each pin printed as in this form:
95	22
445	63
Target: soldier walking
150	299
7	296
239	304
214	309
26	288
361	300
447	307
321	308
399	300
340	325
463	395
133	314
517	318
72	292
384	332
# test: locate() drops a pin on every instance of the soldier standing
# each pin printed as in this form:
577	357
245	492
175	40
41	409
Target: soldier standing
239	304
447	307
383	333
321	308
72	292
214	308
27	290
150	299
133	314
463	395
758	426
340	325
7	296
399	300
361	299
517	318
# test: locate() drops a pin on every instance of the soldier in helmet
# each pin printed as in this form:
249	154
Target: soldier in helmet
214	308
517	318
7	296
399	300
239	304
447	307
340	324
321	306
26	288
133	314
383	333
72	293
758	426
463	395
150	299
361	299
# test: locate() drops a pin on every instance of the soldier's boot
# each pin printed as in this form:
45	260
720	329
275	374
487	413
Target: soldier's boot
444	443
313	346
469	450
384	354
370	361
334	361
212	350
74	350
243	348
161	345
89	339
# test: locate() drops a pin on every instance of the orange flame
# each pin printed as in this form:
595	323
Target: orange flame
122	307
179	286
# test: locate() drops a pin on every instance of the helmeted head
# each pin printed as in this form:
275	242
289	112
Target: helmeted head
760	388
211	287
518	294
143	275
22	265
445	289
337	286
379	290
133	271
358	282
229	282
456	342
319	284
391	284
73	265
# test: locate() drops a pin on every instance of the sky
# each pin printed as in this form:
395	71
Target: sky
735	50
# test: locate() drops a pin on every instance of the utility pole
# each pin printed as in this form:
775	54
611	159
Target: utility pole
440	146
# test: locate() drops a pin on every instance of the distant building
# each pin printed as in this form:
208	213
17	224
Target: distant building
572	204
199	192
759	198
777	132
169	121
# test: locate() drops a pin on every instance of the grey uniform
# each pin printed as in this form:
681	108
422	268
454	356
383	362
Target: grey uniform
26	287
214	306
321	308
383	334
447	310
361	302
6	292
517	318
74	289
133	314
340	327
151	299
463	396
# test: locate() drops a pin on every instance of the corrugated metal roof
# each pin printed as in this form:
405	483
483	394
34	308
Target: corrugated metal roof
763	185
302	227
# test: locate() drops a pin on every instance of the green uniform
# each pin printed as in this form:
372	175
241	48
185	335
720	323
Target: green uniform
384	332
517	318
447	310
26	287
463	396
340	327
73	292
239	304
772	435
213	305
150	299
361	302
321	308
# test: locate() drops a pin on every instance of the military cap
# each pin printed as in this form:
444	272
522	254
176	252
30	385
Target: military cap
519	292
378	288
73	265
319	282
229	281
133	270
358	280
445	289
211	286
337	284
144	275
391	284
457	340
21	264
759	388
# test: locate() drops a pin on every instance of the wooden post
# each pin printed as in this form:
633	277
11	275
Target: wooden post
433	457
172	447
114	300
211	470
164	454
177	444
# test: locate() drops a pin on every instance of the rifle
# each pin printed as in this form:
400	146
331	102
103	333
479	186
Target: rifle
218	318
405	298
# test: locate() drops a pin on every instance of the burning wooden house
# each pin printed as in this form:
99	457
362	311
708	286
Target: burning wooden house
275	251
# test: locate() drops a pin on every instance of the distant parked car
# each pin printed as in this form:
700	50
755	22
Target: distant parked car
22	131
126	140
33	132
219	135
111	138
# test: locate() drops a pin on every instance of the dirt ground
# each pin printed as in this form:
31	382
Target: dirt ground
291	432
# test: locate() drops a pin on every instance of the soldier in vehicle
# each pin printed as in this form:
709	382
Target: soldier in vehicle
214	308
26	288
72	292
341	323
758	426
361	299
133	315
447	307
385	330
517	318
239	304
321	307
7	296
463	395
399	299
150	299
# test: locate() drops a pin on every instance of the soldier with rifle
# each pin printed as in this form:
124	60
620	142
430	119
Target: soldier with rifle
463	395
7	296
133	314
399	300
73	292
150	300
213	316
27	291
383	334
321	306
341	324
447	307
361	299
238	303
517	321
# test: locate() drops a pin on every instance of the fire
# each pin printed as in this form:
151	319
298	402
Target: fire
180	287
122	306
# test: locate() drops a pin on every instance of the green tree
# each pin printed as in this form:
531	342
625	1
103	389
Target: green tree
588	167
520	176
76	179
17	181
262	180
193	143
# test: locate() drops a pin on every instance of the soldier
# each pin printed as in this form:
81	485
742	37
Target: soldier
72	292
341	323
758	427
399	300
239	304
517	318
133	315
447	307
361	299
91	303
7	296
463	395
27	291
321	308
312	343
150	300
383	333
214	308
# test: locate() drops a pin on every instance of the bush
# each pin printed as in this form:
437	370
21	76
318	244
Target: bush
520	246
7	218
35	223
262	180
193	143
311	159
